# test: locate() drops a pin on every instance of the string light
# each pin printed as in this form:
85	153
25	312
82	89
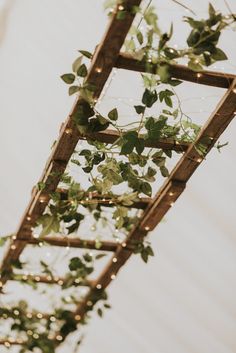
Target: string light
59	338
113	276
77	317
98	286
42	199
121	7
114	259
123	245
98	70
28	218
147	228
13	247
199	75
171	193
7	344
68	131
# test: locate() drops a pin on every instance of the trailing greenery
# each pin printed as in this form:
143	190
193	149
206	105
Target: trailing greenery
124	165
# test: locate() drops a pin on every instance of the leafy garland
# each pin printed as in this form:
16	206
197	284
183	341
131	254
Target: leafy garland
126	162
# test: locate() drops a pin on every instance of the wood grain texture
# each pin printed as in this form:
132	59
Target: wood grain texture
75	243
104	58
110	136
170	191
181	72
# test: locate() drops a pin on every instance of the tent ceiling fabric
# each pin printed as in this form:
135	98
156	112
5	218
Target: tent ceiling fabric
183	301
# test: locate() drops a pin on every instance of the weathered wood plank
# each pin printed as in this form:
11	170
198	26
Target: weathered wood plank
169	192
181	72
110	136
102	64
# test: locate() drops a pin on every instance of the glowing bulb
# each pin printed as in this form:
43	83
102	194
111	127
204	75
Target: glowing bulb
60	282
199	75
68	131
147	228
98	70
113	276
59	338
77	317
114	259
42	199
121	7
7	344
13	247
123	245
234	90
39	316
171	193
98	286
89	303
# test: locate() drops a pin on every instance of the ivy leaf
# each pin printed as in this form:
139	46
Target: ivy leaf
218	55
146	189
195	65
165	95
130	139
113	114
164	72
86	53
41	185
82	71
100	312
75	264
211	10
139	145
68	78
164	171
149	97
83	112
77	63
140	109
73	89
77	217
100	256
50	223
139	36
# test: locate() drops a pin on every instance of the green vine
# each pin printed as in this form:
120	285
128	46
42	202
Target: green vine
124	165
